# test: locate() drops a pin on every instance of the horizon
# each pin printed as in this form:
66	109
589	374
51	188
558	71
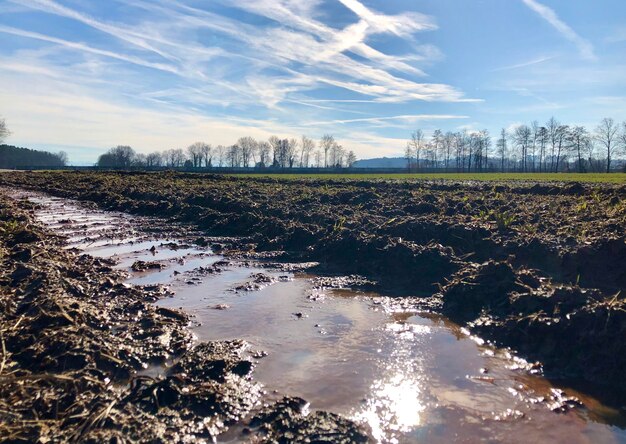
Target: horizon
82	77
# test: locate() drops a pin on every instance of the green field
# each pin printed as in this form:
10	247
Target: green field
531	177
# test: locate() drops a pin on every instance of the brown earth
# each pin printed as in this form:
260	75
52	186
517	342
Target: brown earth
73	338
538	267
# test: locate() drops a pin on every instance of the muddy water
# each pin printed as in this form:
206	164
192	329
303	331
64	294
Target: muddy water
411	376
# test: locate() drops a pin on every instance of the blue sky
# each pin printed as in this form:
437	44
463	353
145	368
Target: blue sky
86	75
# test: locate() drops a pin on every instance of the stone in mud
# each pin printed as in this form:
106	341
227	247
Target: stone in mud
257	281
173	314
140	266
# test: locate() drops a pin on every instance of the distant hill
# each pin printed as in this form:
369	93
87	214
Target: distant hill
15	157
381	162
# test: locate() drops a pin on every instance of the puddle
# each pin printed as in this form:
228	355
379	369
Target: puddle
412	377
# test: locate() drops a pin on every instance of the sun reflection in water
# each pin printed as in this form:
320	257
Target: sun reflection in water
395	402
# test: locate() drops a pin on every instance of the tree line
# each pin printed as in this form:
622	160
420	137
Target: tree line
551	147
246	153
16	157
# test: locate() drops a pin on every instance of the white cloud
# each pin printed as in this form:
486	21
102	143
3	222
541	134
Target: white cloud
404	117
119	32
400	25
68	116
549	15
318	51
526	64
100	91
86	48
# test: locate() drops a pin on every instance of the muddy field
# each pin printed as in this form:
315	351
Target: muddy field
75	340
537	267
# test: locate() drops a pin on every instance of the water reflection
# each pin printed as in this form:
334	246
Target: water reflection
396	400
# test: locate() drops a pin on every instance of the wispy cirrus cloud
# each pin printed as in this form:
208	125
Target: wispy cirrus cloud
279	63
85	48
405	117
403	25
535	61
585	48
300	39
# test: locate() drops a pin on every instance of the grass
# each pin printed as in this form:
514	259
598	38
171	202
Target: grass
532	177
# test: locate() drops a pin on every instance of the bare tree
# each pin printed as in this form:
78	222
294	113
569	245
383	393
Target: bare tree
233	156
522	137
154	160
350	159
501	147
4	131
471	149
248	147
195	152
220	152
281	153
63	157
408	155
542	139
590	153
206	151
429	154
326	143
306	148
563	137
179	157
446	148
265	151
292	152
336	155
318	158
460	144
485	145
553	127
275	143
122	156
579	138
140	160
174	158
535	128
606	134
417	144
437	145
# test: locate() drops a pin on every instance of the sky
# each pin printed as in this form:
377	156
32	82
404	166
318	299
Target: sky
83	76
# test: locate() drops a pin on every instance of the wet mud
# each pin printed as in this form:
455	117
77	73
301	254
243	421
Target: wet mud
531	266
76	341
